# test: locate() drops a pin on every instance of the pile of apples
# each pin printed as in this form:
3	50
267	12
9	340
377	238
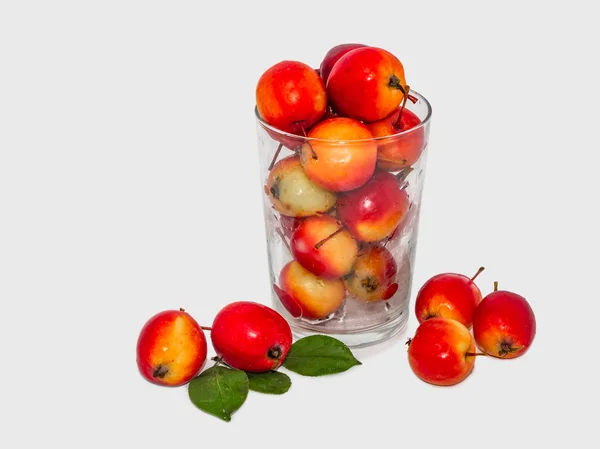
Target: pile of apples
443	350
337	197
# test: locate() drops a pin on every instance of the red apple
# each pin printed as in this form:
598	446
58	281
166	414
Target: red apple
504	324
442	352
291	96
333	56
292	193
334	161
306	295
251	337
171	348
373	211
400	151
324	247
449	295
367	84
373	276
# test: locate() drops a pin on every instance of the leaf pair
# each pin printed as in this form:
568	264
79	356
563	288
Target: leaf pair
221	390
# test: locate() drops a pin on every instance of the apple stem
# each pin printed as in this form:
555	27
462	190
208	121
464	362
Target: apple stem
495	286
397	124
275	156
478	273
284	240
304	133
408	342
319	244
206	328
312	150
475	354
403	174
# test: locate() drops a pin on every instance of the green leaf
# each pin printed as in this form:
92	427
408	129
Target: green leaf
219	391
319	355
271	382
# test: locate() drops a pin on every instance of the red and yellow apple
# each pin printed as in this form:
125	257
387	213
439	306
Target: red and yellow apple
291	97
306	295
341	154
367	84
449	295
373	211
324	247
400	150
171	348
504	324
373	276
442	352
251	337
292	193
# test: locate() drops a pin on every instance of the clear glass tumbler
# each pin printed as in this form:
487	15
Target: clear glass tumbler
341	261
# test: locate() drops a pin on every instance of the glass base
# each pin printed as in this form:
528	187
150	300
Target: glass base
359	339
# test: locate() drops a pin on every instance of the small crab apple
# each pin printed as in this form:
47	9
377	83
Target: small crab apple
504	324
340	154
251	337
333	56
450	295
401	150
171	348
292	193
373	276
306	295
442	352
324	247
291	97
367	84
373	211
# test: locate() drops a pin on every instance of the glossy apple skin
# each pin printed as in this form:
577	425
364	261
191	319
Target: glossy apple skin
336	166
334	258
449	295
333	56
373	276
293	194
373	211
365	84
504	325
402	151
291	96
437	353
171	348
251	336
306	295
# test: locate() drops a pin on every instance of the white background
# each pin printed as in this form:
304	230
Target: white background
129	184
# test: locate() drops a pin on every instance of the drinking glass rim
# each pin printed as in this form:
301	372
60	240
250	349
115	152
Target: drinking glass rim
286	134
